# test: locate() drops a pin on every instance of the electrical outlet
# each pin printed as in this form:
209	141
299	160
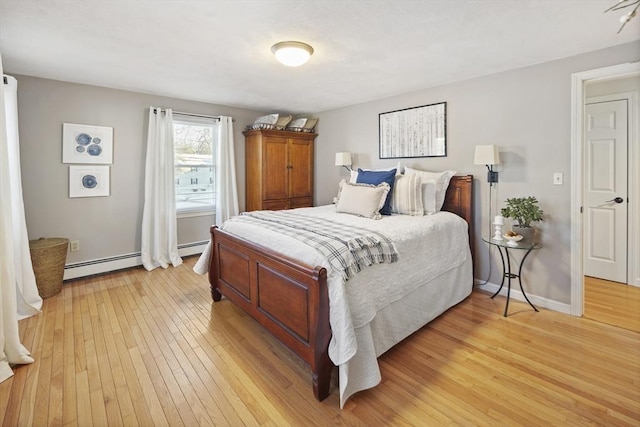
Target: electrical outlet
75	246
557	178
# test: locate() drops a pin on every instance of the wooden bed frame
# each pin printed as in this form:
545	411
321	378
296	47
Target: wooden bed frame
290	299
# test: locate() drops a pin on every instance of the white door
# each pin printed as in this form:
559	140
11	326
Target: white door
605	192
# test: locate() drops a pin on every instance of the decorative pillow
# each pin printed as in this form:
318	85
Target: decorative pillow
442	182
362	199
406	198
428	196
354	173
377	177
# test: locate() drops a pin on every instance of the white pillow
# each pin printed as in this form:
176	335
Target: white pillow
362	199
354	172
442	182
429	196
406	198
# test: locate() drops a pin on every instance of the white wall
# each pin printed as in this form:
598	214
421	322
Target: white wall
105	226
527	113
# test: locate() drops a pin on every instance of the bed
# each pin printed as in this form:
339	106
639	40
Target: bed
289	291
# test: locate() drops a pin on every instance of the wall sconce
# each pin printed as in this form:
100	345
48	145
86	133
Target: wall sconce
344	159
488	155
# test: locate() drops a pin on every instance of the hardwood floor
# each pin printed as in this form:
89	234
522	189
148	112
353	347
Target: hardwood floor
613	303
138	348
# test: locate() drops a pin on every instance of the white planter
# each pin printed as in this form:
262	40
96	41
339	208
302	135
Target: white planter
527	233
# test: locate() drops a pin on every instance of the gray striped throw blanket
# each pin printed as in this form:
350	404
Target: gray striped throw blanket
347	248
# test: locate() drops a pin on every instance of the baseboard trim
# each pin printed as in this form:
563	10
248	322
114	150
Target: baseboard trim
517	295
118	262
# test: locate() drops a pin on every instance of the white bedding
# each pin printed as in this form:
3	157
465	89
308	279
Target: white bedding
429	247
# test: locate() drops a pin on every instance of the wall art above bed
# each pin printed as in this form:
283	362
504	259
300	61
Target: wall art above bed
414	132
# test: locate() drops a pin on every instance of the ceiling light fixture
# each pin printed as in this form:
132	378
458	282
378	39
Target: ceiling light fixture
292	54
627	16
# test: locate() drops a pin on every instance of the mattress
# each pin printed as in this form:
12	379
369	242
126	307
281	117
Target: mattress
383	303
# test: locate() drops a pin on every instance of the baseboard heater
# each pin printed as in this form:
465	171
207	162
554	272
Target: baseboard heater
118	262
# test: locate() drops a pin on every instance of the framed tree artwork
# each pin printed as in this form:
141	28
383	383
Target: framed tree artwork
414	132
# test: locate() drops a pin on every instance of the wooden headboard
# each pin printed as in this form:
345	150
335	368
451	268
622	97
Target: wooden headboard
459	200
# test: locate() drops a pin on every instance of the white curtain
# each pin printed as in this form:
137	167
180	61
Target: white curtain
159	224
226	187
18	291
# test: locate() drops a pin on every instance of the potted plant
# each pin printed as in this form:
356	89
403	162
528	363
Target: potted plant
524	210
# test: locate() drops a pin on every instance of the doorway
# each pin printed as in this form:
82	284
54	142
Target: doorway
608	297
605	187
579	153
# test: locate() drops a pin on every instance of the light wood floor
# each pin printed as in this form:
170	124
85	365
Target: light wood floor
613	303
138	348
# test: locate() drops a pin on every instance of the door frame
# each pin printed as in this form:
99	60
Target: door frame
578	81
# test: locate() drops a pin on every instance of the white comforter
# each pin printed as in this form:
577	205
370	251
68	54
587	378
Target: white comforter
428	246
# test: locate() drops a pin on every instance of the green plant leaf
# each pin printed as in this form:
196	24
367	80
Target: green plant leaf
524	210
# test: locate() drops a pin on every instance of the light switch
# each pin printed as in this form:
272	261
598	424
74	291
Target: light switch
557	178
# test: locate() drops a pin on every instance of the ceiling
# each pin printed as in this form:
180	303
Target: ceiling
219	51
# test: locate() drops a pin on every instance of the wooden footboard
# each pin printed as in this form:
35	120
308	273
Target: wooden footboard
290	299
286	297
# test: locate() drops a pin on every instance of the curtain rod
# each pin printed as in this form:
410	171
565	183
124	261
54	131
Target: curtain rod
196	115
193	114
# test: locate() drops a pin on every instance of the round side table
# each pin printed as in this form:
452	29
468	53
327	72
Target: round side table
506	266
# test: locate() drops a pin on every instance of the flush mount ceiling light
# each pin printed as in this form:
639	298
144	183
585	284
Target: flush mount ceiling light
292	54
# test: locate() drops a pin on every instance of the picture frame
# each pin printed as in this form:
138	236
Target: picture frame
88	181
87	144
414	132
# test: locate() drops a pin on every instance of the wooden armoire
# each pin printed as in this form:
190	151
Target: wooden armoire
279	169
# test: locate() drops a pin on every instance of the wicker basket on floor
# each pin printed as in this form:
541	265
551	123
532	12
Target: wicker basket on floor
48	256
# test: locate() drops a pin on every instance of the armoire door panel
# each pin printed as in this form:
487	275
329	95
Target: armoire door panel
301	202
276	205
275	178
301	168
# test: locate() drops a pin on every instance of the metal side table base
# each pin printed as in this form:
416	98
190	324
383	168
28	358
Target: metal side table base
506	269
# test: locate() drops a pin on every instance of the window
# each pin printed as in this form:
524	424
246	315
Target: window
194	144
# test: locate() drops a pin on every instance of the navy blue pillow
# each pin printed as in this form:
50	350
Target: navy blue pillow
378	177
